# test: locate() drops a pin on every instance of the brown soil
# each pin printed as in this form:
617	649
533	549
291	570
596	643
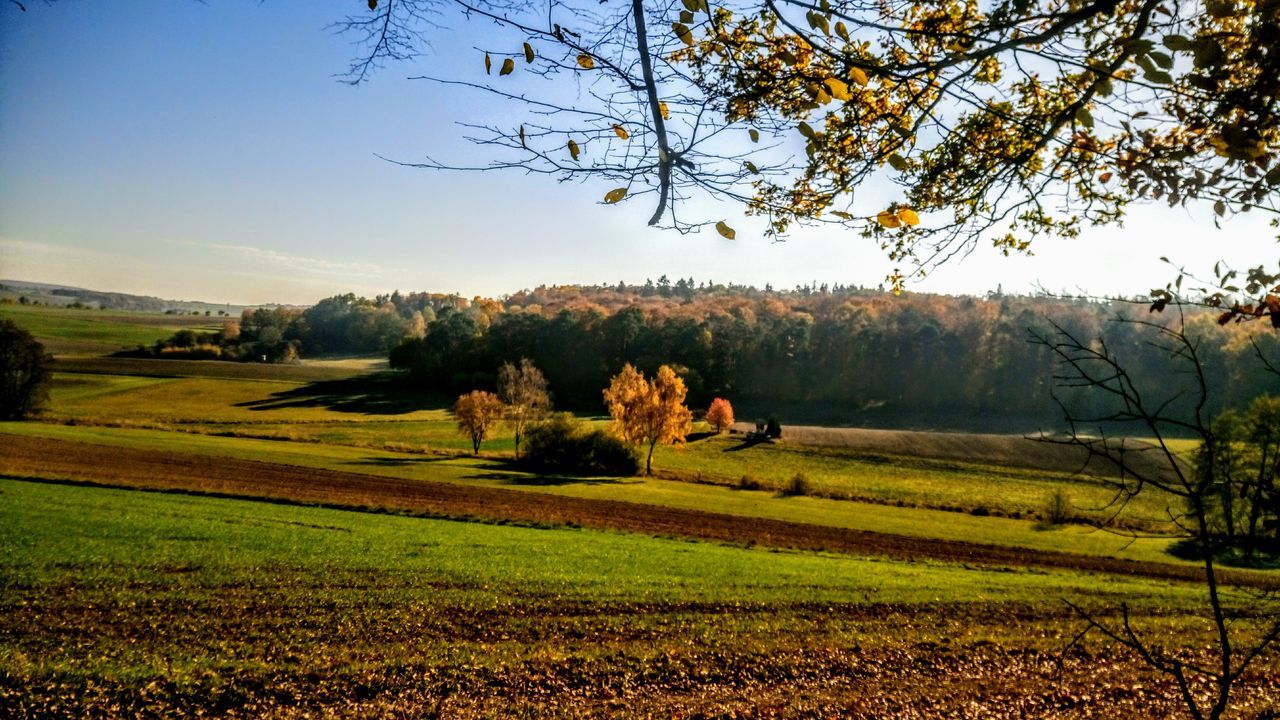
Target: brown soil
41	458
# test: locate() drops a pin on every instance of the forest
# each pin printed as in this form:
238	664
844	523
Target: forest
827	355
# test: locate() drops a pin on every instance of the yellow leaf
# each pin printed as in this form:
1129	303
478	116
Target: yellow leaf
621	132
662	108
908	216
682	32
838	89
585	61
843	31
842	214
508	67
573	150
755	135
691	5
751	166
615	195
522	137
888	220
528	53
686	16
806	131
488	63
858	76
725	230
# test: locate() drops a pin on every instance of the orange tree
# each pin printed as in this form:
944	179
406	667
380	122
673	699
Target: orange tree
720	415
478	413
647	413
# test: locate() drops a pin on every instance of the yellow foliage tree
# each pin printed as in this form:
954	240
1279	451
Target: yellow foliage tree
478	413
647	413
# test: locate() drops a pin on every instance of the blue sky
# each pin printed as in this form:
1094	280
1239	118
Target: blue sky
206	151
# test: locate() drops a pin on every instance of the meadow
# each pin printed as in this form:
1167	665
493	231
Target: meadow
77	331
182	538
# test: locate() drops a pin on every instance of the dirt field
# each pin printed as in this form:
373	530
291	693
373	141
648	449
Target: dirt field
61	460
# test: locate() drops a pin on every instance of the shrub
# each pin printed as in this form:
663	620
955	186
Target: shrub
798	485
563	444
1058	509
749	482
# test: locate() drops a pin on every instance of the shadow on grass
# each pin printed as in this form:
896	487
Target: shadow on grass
511	472
402	461
749	442
529	480
378	394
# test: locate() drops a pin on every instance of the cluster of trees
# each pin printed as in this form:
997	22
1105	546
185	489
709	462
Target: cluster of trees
522	401
644	412
338	325
847	355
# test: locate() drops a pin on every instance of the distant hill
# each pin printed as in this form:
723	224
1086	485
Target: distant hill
64	295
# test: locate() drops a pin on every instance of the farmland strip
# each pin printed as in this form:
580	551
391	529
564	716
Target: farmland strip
49	459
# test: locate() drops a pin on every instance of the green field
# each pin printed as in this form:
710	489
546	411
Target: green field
128	600
72	331
306	412
915	522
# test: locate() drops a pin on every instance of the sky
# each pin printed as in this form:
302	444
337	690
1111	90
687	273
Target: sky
207	151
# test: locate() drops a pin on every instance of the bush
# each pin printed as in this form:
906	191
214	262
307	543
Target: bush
1057	510
563	444
749	482
798	485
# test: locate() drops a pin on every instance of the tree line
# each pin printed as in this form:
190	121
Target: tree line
816	353
847	355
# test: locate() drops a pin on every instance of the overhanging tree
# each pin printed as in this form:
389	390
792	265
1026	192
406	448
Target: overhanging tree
997	123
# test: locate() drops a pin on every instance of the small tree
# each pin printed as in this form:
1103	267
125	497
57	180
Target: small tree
648	412
524	390
25	372
720	415
477	412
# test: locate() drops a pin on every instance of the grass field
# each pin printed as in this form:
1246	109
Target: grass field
118	603
490	472
68	331
355	415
